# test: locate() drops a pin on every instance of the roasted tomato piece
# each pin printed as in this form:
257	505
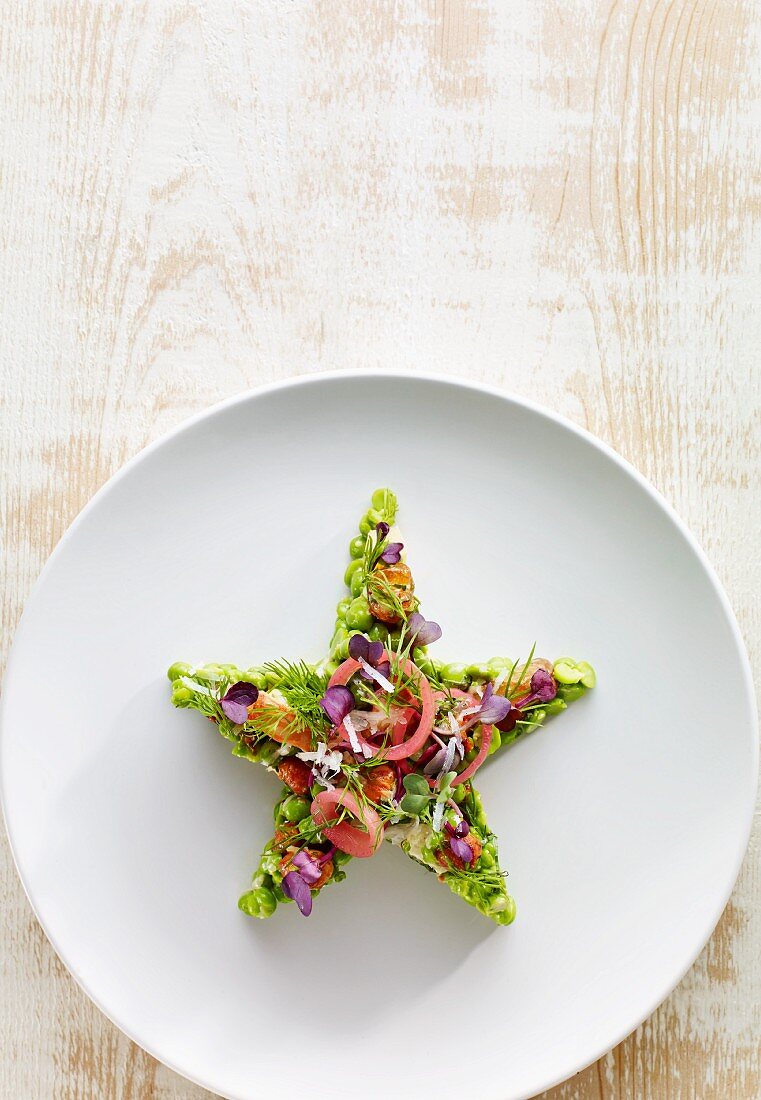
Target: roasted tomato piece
399	579
326	867
379	782
295	774
448	859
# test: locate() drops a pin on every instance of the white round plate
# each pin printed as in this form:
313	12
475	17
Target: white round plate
622	823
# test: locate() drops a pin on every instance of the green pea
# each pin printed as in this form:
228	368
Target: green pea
359	617
555	705
486	860
268	752
340	638
354	566
588	674
570	692
385	501
394	637
567	671
210	673
378	633
181	695
491	848
256	676
342	607
496	741
425	664
357	546
179	668
453	674
366	524
506	914
478	673
232	672
470	756
357	585
498	666
330	667
258	903
296	809
459	793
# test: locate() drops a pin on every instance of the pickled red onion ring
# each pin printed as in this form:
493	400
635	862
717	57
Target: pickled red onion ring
344	673
358	842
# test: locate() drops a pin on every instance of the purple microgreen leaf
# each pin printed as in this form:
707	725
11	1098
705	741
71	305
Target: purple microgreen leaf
494	708
460	849
295	888
337	702
384	668
359	647
508	724
433	767
543	686
308	869
374	653
393	553
422	631
236	701
383	529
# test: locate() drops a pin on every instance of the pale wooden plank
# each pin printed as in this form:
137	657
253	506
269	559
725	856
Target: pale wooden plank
558	197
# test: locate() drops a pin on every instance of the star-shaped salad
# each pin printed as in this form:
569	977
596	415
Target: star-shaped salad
379	741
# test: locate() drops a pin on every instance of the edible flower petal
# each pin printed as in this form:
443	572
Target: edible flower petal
494	708
297	889
422	631
543	686
236	701
368	653
461	849
337	702
308	869
393	553
543	689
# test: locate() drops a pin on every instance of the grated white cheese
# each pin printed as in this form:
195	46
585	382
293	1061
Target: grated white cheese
200	688
353	739
500	680
377	676
449	757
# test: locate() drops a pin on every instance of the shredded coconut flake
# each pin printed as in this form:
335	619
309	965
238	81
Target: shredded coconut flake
438	814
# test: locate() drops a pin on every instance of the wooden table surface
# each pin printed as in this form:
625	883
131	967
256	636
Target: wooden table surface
559	196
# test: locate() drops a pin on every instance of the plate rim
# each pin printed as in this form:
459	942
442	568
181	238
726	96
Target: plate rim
454	381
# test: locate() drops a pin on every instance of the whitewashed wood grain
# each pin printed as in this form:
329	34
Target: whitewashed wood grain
559	196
